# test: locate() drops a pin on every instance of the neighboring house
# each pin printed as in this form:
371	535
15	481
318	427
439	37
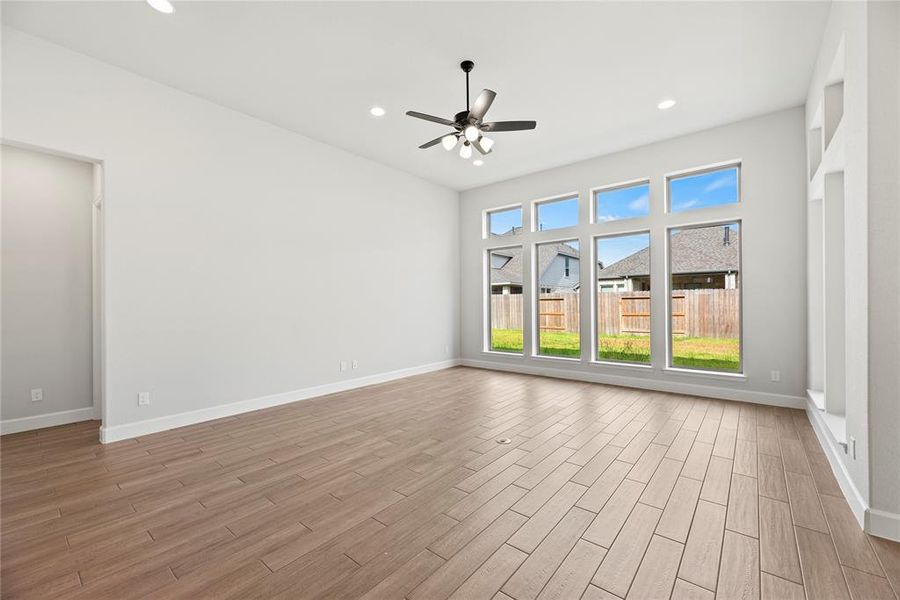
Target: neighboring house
702	258
558	269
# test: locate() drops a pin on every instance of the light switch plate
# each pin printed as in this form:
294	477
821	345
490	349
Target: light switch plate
144	399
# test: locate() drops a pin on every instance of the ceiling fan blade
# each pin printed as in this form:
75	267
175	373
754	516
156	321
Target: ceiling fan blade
478	147
482	104
434	142
508	126
431	118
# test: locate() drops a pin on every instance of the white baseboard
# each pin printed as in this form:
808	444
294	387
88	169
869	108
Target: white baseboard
137	429
833	451
883	524
876	522
677	387
63	417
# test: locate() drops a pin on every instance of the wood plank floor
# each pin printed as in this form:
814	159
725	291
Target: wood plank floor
401	491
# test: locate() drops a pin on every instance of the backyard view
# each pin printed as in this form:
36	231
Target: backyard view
705	299
704	353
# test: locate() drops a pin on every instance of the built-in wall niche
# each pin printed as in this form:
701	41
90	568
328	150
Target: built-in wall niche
814	149
833	102
815	290
834	286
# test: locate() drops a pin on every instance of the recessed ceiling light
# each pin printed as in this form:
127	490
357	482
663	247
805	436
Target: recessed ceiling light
665	104
376	111
477	162
163	6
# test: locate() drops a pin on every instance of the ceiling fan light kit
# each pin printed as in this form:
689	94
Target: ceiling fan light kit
469	124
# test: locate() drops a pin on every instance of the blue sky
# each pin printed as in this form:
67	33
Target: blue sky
614	249
623	203
503	221
701	191
553	215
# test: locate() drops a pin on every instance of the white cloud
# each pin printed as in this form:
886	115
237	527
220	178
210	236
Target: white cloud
605	218
686	204
718	183
640	203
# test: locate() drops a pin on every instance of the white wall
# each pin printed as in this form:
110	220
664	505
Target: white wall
884	262
868	32
773	235
46	284
241	260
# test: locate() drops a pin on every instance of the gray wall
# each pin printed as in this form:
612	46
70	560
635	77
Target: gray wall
46	283
554	275
773	212
241	260
884	259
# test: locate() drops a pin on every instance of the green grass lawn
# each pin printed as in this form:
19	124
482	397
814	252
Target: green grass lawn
700	353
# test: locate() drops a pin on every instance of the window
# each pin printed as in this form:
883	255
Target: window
557	302
567	266
703	189
705	305
555	214
623	298
622	202
504	300
503	222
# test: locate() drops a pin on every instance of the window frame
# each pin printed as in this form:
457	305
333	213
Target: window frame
536	299
694	171
486	300
486	222
535	211
596	191
595	290
669	367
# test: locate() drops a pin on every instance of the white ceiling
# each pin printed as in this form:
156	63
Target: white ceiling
590	74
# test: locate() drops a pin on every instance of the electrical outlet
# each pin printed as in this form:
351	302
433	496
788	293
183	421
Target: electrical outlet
143	398
37	394
355	364
853	447
343	365
776	375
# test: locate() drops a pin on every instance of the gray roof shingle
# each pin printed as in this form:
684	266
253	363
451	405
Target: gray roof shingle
696	250
511	272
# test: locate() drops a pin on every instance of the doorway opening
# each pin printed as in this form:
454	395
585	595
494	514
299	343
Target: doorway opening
51	283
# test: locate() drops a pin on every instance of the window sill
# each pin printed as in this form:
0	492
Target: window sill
817	397
499	353
571	359
837	426
627	365
707	374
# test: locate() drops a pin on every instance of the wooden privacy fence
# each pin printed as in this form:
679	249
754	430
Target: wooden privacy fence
695	313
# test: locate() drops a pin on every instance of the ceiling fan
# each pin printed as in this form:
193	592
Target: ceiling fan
469	124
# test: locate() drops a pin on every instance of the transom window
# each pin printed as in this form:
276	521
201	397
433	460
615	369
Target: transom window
703	189
556	213
504	221
626	201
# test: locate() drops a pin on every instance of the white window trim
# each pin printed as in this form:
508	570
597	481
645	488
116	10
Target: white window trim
669	367
595	191
486	220
486	301
720	166
595	288
536	295
549	200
